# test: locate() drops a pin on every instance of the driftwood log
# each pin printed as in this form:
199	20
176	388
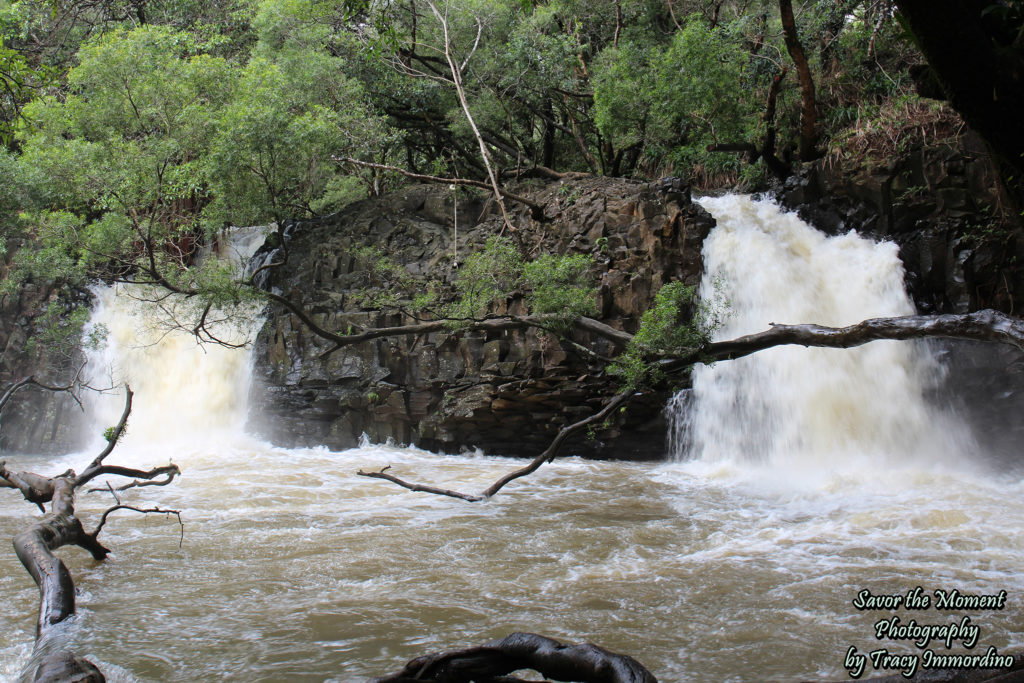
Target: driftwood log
61	527
65	667
493	662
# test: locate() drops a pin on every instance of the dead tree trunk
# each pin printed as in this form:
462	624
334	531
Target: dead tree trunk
34	547
61	527
585	663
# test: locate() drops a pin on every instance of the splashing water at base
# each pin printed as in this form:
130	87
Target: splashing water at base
794	412
184	390
294	569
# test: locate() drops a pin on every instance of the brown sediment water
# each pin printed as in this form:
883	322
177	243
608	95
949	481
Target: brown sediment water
738	559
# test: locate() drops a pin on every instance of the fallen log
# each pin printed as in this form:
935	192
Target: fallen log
61	527
65	667
34	548
495	660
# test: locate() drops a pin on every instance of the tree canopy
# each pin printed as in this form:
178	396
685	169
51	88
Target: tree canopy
135	131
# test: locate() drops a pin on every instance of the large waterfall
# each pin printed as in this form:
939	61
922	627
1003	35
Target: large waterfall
806	412
813	475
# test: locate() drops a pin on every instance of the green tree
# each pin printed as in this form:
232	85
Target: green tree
122	153
675	101
271	157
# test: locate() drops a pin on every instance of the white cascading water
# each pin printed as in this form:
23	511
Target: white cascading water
736	564
184	390
806	412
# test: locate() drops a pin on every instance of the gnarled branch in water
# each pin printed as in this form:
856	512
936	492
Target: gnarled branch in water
987	326
493	661
60	527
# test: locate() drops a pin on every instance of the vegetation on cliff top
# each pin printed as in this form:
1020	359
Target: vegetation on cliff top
133	132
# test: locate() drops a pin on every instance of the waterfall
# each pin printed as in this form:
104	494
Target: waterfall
796	409
292	566
185	390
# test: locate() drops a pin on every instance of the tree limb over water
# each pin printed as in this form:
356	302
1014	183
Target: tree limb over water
986	326
493	661
60	527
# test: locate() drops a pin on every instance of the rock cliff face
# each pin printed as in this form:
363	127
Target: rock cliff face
504	392
36	421
961	246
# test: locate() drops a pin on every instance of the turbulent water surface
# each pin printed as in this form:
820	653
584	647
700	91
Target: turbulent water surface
814	475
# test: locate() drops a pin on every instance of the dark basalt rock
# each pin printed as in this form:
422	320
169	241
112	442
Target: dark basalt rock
504	392
37	421
961	247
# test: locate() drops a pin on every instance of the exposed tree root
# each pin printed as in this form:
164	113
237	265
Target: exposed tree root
493	661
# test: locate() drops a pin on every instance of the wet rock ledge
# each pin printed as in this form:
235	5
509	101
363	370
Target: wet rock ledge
505	392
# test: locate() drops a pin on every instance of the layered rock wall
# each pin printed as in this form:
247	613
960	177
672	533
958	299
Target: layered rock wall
503	392
36	421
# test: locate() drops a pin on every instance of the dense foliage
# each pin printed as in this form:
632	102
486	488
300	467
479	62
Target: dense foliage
133	130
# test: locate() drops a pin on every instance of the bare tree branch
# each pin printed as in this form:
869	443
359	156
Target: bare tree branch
35	545
68	388
147	476
987	325
536	209
144	511
461	92
422	488
13	389
114	436
549	454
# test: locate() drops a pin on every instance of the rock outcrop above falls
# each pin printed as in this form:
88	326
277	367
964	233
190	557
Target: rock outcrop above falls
960	243
503	392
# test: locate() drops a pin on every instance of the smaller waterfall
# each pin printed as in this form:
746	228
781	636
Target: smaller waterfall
796	409
184	390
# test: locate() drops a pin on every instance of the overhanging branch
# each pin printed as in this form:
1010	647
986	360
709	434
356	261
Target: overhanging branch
987	326
536	209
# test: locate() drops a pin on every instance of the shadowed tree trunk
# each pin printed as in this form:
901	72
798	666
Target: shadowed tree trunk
493	661
808	100
34	547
